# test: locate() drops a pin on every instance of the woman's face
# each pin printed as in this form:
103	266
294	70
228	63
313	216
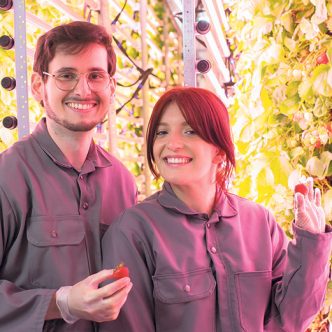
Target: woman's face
181	156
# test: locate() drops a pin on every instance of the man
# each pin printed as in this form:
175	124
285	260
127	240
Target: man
59	192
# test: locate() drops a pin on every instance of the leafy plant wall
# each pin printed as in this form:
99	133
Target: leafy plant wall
282	107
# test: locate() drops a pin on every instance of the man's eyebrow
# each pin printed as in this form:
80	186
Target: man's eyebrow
66	69
75	69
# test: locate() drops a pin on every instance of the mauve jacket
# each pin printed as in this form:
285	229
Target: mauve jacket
233	271
51	222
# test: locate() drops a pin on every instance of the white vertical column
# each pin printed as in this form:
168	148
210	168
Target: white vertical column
104	20
21	68
189	49
145	91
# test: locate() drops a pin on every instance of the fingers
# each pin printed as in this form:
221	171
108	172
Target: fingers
308	211
98	304
298	201
318	197
120	295
99	277
310	186
114	287
115	302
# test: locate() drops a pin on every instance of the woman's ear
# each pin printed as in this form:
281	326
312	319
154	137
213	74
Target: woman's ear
37	87
219	157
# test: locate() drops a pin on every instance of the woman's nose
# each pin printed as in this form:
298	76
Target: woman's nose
174	143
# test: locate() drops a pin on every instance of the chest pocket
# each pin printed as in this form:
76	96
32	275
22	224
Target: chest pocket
197	290
57	251
55	231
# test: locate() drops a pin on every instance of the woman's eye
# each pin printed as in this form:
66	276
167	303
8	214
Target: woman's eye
161	133
190	132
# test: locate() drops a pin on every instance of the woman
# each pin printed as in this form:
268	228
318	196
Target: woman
202	259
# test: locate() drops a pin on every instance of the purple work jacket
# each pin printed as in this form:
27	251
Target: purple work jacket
51	221
233	271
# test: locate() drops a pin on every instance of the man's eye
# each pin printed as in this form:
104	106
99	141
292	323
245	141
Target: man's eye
67	76
95	76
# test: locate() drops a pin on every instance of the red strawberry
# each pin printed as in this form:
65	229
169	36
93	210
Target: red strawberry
329	128
120	271
322	59
301	188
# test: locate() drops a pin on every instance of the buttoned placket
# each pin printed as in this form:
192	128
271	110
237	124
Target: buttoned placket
213	249
211	244
84	201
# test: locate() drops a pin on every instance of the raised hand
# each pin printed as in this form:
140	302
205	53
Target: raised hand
308	211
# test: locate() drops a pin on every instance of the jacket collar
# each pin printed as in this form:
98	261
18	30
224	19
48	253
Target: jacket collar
167	198
95	158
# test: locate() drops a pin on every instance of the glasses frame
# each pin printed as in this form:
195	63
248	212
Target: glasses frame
78	79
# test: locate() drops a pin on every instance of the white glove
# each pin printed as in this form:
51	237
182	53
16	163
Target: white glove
62	304
308	211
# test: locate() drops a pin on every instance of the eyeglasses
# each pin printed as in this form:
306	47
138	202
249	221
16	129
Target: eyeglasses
68	80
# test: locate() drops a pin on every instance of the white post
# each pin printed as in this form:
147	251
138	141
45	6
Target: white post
189	49
104	20
145	92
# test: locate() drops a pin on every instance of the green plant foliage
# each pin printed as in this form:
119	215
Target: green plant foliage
281	111
282	108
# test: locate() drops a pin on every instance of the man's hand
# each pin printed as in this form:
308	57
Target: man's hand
308	211
87	301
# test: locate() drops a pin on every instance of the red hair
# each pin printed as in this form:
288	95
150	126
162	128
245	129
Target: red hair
72	38
206	114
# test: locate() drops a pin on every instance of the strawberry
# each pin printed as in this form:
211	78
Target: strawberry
120	271
322	59
329	128
301	188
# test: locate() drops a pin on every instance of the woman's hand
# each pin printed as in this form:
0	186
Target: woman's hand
308	211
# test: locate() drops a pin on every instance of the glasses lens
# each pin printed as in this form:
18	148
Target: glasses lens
98	80
66	81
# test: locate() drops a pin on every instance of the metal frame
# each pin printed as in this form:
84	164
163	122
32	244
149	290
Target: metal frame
21	68
189	48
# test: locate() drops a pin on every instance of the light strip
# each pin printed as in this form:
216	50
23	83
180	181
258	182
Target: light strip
217	27
130	20
220	6
37	22
58	4
216	85
219	61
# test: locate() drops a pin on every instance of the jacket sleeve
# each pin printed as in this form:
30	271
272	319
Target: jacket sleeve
121	243
301	274
20	309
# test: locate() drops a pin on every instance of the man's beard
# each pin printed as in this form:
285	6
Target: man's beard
77	127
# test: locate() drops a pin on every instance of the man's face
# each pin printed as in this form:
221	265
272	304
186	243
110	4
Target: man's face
79	109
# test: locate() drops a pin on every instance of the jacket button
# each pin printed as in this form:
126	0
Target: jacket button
54	234
85	205
187	288
213	250
81	177
208	225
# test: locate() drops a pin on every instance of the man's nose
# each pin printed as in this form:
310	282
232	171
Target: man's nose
82	87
